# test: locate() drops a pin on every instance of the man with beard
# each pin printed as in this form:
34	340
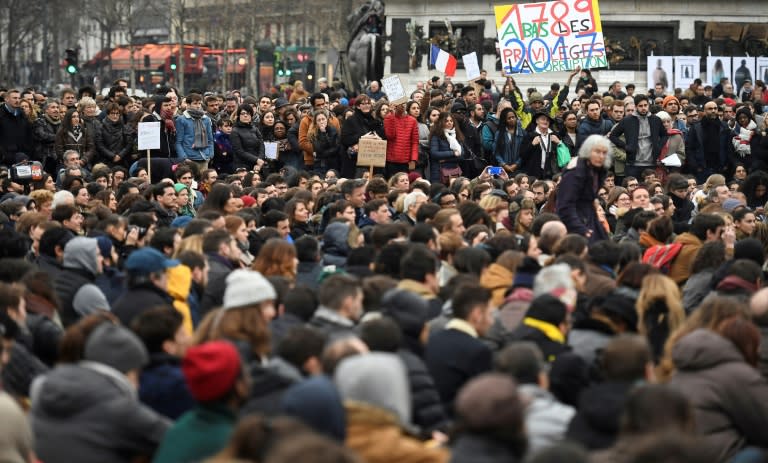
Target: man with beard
44	132
707	145
644	134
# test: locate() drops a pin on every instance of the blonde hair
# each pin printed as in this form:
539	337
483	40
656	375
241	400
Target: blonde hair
190	243
659	288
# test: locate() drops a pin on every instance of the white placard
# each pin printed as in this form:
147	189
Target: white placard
270	150
686	71
149	136
471	66
393	87
673	160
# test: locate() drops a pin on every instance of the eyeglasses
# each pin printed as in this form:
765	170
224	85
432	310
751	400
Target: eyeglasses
114	113
632	185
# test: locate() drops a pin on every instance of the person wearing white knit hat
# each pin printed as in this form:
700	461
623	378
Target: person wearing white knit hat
246	288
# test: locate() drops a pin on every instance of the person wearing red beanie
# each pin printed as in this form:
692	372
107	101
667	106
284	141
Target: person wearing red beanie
216	380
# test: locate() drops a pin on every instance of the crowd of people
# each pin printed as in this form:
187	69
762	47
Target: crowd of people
540	277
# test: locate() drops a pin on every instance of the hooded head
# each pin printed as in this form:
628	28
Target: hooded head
377	379
82	254
335	239
317	403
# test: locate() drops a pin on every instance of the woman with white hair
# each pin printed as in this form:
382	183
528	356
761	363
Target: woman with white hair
577	191
675	144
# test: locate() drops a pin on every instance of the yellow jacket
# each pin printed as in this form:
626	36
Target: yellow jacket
179	285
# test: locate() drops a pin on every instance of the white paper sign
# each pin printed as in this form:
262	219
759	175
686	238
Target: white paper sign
471	66
149	135
270	150
673	160
686	71
394	89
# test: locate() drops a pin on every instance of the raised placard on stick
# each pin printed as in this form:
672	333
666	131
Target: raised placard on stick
393	87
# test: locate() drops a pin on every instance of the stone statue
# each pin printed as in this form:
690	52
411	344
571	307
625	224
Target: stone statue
366	59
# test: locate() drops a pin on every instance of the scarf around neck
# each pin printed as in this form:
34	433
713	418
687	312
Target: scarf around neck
450	135
76	132
167	119
201	136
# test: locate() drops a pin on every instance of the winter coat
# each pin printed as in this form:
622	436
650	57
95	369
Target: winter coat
506	147
588	337
576	197
223	157
426	409
15	133
589	127
317	403
402	138
375	435
45	337
531	154
335	245
74	285
44	132
357	126
600	280
630	128
596	424
441	155
85	144
167	140
326	145
114	139
508	317
247	145
497	279
546	419
199	433
680	269
453	358
15	432
138	300
213	296
696	288
729	397
185	138
89	412
307	145
331	323
480	448
308	273
163	388
179	287
268	384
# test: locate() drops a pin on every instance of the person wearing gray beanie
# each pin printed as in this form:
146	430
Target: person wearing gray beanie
90	411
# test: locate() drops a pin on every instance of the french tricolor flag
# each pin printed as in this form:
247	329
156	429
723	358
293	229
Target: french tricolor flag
443	61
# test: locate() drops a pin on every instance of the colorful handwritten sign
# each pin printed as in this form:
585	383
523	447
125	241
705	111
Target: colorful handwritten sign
550	36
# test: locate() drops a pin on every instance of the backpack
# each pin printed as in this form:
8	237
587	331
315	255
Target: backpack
662	255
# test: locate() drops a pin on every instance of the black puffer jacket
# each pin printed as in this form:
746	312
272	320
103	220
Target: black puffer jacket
44	137
427	411
114	139
326	144
247	145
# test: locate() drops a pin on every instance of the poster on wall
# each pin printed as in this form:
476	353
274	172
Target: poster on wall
743	69
762	68
660	72
550	36
687	69
717	68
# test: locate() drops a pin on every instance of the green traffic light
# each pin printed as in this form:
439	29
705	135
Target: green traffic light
173	67
280	73
72	69
288	72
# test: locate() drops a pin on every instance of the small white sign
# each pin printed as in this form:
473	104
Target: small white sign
393	87
149	136
270	150
471	66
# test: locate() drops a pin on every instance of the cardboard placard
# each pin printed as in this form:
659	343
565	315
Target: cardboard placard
371	151
394	89
149	135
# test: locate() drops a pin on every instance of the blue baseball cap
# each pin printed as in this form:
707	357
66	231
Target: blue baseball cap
148	260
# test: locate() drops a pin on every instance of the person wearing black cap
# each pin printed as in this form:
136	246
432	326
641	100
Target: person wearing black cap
539	150
147	284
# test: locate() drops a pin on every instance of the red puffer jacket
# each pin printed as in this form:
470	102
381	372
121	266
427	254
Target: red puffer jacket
402	138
